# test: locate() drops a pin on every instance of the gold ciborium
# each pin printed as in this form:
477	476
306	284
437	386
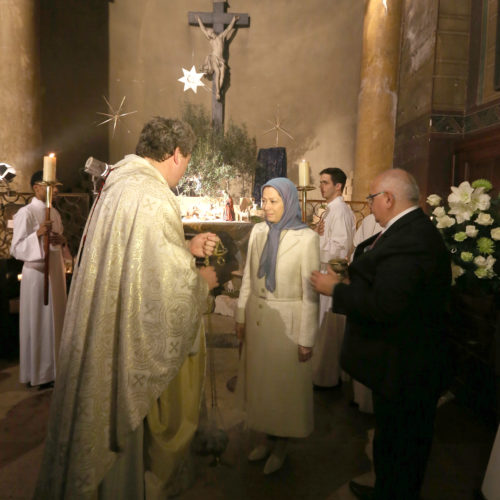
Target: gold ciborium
339	266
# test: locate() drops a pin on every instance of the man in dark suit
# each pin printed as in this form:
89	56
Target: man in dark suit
395	300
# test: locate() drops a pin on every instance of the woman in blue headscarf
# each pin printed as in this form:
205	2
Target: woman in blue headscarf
276	322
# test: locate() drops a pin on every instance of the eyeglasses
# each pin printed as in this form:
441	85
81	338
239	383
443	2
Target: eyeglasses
370	197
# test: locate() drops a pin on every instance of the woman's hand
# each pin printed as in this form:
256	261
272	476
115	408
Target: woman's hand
305	353
240	331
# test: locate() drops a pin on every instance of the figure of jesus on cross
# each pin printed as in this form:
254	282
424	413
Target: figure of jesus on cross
214	62
222	28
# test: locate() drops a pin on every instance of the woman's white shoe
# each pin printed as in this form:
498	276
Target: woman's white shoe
277	457
259	453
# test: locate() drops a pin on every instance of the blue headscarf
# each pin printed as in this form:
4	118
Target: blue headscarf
291	219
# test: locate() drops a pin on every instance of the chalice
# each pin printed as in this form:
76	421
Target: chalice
340	267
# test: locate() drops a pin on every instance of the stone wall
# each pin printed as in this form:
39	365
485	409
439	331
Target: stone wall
301	56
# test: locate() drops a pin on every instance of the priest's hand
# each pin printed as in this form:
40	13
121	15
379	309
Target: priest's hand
325	283
44	228
209	275
305	353
203	244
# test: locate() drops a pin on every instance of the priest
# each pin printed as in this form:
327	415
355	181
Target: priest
126	400
39	325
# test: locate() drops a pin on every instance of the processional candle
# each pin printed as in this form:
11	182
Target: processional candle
49	168
304	173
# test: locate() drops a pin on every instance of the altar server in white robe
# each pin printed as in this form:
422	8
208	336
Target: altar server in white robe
40	326
362	394
276	321
336	229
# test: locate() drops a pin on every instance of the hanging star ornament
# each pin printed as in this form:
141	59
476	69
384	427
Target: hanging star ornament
191	79
114	115
276	126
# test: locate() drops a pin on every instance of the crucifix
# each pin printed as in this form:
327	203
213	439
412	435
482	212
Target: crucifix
215	62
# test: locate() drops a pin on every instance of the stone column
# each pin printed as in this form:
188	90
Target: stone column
378	96
20	135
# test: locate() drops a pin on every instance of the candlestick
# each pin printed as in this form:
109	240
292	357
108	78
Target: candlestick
304	173
49	168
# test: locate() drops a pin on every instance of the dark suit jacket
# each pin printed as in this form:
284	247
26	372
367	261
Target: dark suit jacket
396	308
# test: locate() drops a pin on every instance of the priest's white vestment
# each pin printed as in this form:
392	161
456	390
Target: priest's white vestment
40	326
134	313
334	243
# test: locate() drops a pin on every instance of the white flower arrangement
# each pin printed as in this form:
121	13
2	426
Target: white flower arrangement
470	226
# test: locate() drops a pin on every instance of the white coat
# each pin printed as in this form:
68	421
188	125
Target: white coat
274	387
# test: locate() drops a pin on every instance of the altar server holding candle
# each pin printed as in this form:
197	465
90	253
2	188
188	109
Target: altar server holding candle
40	326
336	229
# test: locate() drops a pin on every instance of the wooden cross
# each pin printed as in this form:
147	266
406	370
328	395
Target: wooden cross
218	19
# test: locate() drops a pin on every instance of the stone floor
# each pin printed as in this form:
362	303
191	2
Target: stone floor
318	467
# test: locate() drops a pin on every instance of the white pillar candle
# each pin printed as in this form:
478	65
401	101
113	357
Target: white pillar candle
49	168
304	173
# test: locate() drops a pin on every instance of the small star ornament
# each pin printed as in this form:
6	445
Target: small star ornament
114	115
191	79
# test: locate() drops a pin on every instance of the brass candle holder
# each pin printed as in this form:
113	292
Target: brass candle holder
304	190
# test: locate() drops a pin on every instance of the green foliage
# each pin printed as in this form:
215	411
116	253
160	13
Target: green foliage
217	158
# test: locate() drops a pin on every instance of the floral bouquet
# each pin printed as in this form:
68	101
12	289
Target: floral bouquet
470	226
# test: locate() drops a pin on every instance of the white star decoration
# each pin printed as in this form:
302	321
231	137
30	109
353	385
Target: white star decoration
277	127
191	79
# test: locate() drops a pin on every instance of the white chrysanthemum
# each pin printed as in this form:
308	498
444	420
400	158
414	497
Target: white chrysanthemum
461	194
433	200
486	262
495	233
471	231
445	221
484	219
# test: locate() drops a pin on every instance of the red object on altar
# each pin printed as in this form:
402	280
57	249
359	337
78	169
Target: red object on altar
229	209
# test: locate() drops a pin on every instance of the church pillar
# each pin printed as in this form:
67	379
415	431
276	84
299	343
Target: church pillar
377	103
20	134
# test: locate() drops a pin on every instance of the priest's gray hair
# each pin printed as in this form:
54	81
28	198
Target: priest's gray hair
160	136
401	184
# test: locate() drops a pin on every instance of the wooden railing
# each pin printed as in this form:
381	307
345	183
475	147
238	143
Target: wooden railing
73	207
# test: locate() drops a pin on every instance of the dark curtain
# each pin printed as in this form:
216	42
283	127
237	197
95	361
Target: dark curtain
271	163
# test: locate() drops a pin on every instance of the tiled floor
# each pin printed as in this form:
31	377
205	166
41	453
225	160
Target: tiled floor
318	467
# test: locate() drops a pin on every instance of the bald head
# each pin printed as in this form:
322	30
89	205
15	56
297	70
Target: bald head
398	191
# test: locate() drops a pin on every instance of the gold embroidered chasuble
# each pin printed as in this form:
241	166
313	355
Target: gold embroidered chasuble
134	312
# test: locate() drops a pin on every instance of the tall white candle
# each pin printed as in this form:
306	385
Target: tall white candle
304	173
49	168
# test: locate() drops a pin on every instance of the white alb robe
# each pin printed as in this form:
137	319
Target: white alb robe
40	326
334	243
